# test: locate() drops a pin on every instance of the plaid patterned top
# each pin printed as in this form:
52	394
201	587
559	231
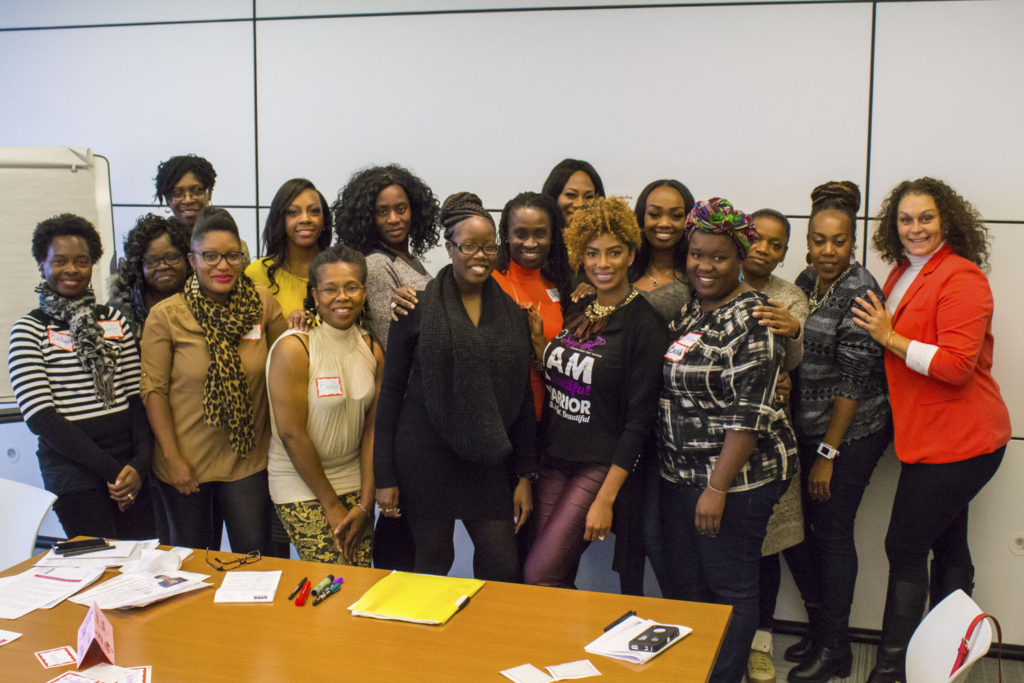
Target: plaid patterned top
720	375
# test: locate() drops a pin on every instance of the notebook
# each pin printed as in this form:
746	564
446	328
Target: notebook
419	598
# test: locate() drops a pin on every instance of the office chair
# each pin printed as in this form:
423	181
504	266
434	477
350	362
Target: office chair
22	509
934	646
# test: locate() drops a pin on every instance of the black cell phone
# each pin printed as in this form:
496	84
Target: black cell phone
654	639
91	545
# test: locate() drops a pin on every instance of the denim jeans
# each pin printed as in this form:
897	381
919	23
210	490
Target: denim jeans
723	569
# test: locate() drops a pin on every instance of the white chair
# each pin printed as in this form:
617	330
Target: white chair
933	649
22	509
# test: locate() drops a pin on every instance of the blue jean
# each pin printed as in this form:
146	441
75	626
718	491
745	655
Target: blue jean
723	569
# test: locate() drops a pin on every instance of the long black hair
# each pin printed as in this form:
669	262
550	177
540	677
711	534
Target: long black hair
275	238
643	255
561	173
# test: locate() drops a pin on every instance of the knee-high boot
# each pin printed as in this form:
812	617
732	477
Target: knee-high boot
904	605
945	580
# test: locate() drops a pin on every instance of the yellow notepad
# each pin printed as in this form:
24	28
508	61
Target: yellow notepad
419	598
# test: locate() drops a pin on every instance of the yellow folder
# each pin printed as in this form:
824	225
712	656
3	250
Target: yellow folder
419	598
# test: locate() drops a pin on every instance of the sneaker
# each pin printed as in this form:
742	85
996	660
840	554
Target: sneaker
760	668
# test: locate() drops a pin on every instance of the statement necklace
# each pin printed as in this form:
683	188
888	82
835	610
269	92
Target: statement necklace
596	311
816	300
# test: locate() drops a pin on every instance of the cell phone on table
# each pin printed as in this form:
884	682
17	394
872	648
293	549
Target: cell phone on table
654	639
91	545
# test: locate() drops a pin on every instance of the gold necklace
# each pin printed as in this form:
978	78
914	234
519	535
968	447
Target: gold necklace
817	300
596	311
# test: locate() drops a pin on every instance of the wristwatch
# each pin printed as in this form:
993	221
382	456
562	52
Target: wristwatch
827	452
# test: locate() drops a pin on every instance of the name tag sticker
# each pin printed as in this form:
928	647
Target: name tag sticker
112	329
255	333
328	386
680	346
62	340
553	295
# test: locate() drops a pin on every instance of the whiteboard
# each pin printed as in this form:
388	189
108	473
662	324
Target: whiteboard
35	184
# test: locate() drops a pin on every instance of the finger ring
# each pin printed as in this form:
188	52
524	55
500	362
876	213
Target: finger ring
393	305
131	496
600	538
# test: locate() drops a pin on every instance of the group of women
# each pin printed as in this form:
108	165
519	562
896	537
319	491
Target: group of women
579	369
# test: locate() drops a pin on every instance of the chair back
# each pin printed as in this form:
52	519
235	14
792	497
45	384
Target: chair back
22	509
933	648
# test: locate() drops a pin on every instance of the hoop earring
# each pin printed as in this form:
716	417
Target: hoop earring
782	263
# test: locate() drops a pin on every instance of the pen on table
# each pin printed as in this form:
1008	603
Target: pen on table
621	619
322	585
326	593
297	589
303	594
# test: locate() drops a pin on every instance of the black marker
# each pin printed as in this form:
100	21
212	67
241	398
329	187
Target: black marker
297	588
618	621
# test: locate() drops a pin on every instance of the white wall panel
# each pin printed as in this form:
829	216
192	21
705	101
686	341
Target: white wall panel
717	97
136	95
949	101
1008	320
36	13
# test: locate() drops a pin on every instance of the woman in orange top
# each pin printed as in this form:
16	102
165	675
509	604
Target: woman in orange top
533	269
950	422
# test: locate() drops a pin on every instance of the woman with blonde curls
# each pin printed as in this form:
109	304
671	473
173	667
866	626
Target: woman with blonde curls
603	374
951	424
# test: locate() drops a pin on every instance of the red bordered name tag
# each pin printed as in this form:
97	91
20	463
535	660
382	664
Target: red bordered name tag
112	329
255	333
62	340
680	346
328	386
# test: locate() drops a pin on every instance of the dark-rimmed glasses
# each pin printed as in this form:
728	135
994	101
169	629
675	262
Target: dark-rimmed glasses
213	258
171	258
227	565
469	248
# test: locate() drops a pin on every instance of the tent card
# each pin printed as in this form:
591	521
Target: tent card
95	639
58	656
8	636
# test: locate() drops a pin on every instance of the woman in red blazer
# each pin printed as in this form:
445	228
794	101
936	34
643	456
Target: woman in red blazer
950	422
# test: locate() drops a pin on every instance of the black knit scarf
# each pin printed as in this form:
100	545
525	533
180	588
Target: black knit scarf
97	357
474	378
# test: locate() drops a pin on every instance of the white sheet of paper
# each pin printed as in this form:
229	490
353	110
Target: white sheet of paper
42	588
109	673
8	636
581	668
243	586
119	553
615	643
526	673
140	589
58	656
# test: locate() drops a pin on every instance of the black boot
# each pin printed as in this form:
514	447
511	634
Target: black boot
831	657
904	605
946	580
803	648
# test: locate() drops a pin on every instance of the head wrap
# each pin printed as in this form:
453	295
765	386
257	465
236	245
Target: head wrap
716	216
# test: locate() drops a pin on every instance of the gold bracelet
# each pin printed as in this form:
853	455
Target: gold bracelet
714	489
888	339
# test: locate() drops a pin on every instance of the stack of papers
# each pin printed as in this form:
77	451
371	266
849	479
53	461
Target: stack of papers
116	555
42	588
615	642
419	598
528	673
139	589
248	587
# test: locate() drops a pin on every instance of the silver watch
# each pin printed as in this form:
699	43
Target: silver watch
827	452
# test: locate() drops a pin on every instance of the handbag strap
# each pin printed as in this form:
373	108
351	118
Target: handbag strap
965	644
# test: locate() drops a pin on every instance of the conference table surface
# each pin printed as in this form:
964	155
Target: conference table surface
189	638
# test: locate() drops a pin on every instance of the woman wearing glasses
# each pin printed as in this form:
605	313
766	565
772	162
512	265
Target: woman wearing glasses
455	428
203	358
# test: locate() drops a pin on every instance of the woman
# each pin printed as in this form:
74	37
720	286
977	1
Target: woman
842	420
951	424
74	367
784	315
390	216
602	378
323	387
298	228
154	267
203	359
185	184
572	183
456	410
726	450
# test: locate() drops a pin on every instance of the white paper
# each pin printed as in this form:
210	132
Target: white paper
615	643
526	673
155	560
109	673
43	588
141	589
114	556
248	586
581	668
8	636
58	656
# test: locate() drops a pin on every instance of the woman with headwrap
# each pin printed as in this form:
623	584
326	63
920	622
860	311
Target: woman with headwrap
455	429
726	449
74	367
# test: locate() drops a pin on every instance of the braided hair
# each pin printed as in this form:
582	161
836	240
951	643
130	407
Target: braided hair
717	216
837	195
458	207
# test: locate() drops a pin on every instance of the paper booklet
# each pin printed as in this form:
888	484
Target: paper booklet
42	588
419	598
615	642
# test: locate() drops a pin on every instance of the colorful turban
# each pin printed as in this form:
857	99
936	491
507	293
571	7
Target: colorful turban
716	216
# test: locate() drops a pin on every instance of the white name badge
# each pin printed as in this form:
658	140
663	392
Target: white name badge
679	347
553	295
112	329
255	333
62	340
328	386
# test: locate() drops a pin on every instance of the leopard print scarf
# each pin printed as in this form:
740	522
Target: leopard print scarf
226	391
97	357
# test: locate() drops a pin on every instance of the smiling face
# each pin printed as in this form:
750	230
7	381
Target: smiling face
163	266
919	224
472	270
188	198
68	266
392	214
767	249
606	262
339	294
713	267
664	218
830	244
577	193
217	281
529	237
304	219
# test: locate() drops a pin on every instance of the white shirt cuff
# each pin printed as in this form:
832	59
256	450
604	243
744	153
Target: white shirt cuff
919	356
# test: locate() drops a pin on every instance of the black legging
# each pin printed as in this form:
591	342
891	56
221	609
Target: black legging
495	557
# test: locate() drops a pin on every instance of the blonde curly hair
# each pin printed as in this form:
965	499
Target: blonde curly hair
603	216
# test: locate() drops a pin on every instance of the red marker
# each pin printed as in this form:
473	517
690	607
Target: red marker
303	594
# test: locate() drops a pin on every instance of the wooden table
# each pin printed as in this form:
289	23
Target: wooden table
188	638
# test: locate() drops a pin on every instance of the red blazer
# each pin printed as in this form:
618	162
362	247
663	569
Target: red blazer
956	412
